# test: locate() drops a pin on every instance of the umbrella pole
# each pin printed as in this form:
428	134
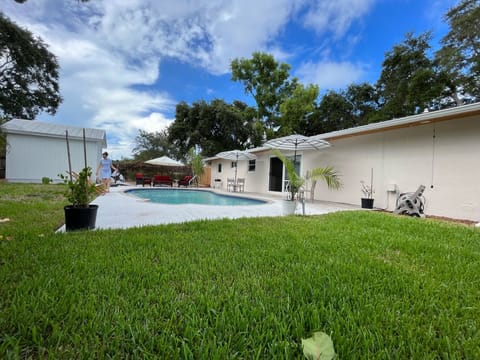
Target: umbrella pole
236	167
295	156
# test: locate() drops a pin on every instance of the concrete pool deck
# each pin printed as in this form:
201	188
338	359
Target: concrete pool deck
120	210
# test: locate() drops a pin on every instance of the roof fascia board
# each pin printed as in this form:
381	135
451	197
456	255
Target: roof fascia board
409	121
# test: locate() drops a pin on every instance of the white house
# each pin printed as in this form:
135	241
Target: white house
440	150
37	149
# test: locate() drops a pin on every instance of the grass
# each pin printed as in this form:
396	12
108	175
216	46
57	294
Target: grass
382	286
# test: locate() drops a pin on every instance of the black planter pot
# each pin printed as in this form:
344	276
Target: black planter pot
367	203
80	218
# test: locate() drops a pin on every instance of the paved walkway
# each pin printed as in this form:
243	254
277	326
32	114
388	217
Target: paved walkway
120	210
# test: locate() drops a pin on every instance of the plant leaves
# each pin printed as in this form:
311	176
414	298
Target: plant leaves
318	347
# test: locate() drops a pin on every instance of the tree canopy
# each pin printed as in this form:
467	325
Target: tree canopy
28	74
152	145
267	81
213	127
296	107
408	81
459	56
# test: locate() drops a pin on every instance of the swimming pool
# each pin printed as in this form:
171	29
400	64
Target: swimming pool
185	196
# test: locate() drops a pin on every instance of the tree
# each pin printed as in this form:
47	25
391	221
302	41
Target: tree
196	163
364	100
152	145
333	113
296	107
459	56
180	132
213	127
28	74
267	81
408	81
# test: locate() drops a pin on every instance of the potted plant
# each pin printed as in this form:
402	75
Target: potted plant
368	191
296	182
80	214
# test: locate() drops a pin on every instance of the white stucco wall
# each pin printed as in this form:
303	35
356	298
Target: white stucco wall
30	158
444	156
255	181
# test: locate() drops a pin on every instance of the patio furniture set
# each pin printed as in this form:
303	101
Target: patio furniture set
236	186
162	180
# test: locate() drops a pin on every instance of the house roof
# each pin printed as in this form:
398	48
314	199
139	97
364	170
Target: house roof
38	128
455	113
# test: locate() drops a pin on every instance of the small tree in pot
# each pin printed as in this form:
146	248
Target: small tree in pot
80	188
80	214
295	181
368	191
327	174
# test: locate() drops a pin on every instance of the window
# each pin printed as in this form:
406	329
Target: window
234	164
252	164
219	169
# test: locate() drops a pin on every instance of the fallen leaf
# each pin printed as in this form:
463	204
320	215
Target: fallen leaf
318	347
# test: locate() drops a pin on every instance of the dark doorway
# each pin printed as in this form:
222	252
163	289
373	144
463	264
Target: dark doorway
276	175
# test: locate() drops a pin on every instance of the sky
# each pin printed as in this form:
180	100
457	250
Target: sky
126	64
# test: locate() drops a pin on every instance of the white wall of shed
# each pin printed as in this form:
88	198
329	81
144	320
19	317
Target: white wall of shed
30	158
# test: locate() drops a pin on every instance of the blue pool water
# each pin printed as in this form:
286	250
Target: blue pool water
203	197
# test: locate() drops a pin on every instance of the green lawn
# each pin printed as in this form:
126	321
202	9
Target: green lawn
382	286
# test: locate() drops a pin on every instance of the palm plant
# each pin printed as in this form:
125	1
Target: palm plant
295	181
196	163
327	174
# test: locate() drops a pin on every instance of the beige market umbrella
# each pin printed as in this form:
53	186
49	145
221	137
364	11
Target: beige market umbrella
236	155
164	161
297	142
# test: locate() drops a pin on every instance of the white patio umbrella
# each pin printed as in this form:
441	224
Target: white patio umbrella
236	155
297	142
164	161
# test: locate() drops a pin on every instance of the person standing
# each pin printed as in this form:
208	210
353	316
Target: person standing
105	169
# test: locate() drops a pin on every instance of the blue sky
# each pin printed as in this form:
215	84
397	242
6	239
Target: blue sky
125	64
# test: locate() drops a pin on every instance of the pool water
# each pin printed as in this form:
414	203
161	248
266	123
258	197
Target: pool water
202	197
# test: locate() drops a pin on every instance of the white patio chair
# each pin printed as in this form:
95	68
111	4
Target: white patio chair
230	184
240	184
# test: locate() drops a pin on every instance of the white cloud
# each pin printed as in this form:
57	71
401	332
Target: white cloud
336	16
330	75
111	51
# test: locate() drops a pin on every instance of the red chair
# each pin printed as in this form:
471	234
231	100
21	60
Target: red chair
141	179
162	180
185	181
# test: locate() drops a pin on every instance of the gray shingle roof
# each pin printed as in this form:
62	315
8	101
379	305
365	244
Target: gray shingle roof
33	127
